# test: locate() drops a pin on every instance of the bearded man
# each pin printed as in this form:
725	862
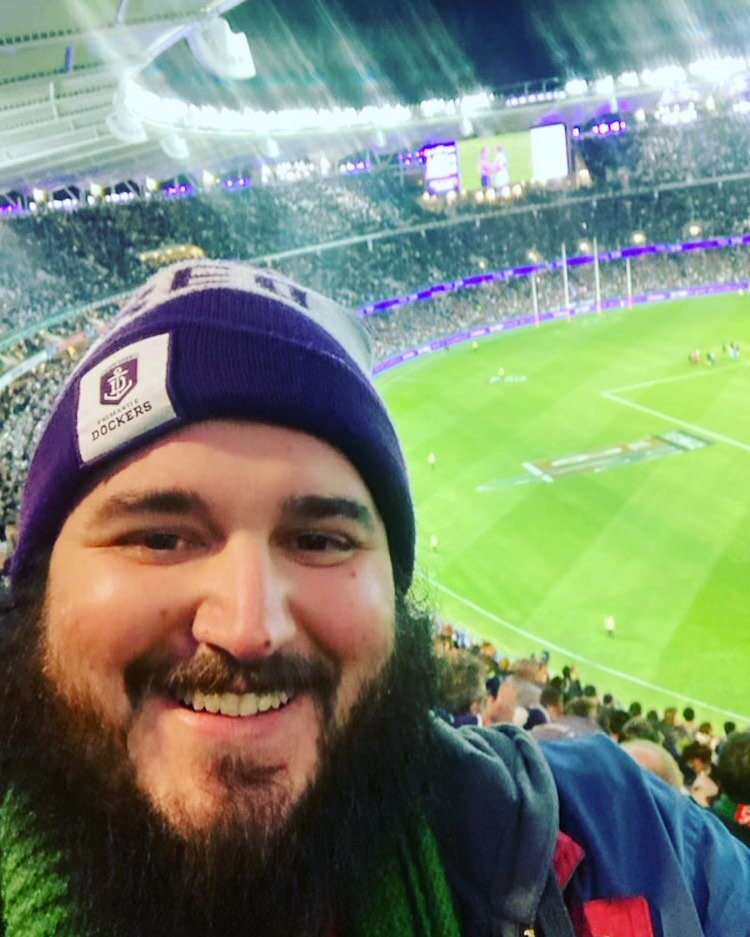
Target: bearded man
217	691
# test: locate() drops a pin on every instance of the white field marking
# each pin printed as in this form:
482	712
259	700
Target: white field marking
587	661
700	430
501	483
675	377
537	472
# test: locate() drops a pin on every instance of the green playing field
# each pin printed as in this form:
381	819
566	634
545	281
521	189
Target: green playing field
587	468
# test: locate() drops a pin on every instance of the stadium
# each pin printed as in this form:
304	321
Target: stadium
548	241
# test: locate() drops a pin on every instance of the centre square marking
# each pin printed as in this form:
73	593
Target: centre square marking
598	460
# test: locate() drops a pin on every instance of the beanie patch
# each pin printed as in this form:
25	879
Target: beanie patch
123	397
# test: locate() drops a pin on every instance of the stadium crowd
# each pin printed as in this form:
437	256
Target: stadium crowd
478	685
54	265
53	261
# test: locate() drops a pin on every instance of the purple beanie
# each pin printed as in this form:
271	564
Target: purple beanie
206	340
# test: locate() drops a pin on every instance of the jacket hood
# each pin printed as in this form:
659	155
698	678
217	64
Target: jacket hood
496	824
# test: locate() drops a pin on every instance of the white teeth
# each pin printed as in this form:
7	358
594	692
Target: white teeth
234	704
248	704
229	704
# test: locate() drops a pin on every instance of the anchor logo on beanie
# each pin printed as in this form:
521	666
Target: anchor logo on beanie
117	382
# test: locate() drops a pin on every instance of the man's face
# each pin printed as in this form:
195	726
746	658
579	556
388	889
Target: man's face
219	603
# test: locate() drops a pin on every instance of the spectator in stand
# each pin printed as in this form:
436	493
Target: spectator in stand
654	757
576	720
614	724
688	722
705	735
529	676
698	757
549	709
732	806
461	693
639	727
571	684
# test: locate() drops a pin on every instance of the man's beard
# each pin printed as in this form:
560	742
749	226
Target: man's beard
292	872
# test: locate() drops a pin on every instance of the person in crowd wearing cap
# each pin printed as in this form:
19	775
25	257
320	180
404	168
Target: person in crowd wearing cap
217	691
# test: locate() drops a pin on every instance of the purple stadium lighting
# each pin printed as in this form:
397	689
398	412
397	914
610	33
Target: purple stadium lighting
236	182
176	191
526	269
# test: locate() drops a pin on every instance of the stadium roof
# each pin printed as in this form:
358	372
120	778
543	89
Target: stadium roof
62	64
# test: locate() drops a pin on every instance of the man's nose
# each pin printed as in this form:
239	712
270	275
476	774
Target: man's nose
244	603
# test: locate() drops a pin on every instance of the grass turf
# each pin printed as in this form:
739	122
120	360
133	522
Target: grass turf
660	543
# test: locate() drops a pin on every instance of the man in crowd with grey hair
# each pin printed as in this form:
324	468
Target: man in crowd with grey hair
217	691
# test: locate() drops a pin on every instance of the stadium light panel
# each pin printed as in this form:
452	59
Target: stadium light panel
576	87
605	85
437	107
628	80
667	76
471	104
718	69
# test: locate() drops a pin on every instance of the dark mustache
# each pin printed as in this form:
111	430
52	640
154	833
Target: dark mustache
211	671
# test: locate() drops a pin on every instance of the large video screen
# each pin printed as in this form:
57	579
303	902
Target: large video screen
549	152
507	158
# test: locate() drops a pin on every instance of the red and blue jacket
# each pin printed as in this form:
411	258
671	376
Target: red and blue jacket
631	856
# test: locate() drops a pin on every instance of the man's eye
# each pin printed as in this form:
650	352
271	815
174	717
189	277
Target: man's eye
314	541
160	540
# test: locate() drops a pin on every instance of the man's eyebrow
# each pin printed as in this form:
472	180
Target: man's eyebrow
175	501
320	507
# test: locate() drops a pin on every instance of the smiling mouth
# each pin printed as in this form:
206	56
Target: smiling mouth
240	705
